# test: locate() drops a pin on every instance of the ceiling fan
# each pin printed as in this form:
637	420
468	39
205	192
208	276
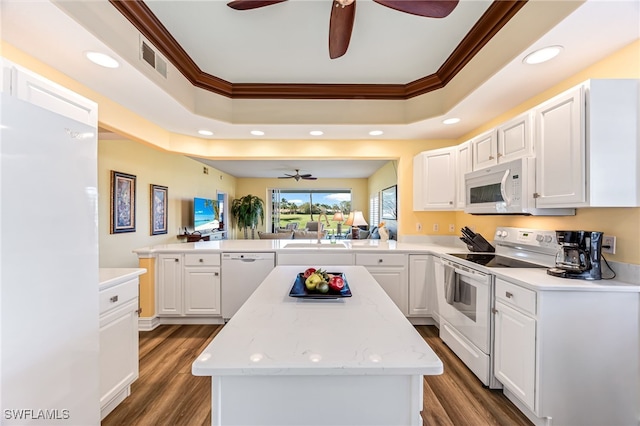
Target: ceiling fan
343	13
297	176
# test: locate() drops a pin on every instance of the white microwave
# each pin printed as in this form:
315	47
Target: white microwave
506	188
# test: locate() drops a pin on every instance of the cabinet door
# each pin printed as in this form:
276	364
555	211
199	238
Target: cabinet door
421	285
170	285
118	351
439	179
560	151
201	290
393	281
464	163
515	138
515	353
485	150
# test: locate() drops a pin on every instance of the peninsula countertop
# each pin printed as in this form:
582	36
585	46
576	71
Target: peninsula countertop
275	334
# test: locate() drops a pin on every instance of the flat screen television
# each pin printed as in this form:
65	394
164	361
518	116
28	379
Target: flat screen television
204	215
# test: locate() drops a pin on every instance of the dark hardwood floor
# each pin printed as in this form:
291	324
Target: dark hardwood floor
166	393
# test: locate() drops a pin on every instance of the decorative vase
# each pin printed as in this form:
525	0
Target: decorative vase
384	234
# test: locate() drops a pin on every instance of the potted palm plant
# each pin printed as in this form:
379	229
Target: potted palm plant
246	211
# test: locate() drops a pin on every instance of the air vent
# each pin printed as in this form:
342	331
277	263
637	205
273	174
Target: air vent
149	55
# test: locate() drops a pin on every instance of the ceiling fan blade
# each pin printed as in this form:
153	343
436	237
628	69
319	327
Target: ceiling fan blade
285	177
251	4
426	8
306	175
340	28
308	178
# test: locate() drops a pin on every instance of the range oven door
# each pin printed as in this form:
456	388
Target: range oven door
467	305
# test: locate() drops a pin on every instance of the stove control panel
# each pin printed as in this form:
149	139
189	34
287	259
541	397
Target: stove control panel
527	237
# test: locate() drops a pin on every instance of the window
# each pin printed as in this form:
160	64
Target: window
300	206
374	209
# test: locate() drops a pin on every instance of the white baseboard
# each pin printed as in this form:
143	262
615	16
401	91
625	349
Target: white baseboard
147	323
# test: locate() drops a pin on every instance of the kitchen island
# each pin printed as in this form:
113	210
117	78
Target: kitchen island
282	360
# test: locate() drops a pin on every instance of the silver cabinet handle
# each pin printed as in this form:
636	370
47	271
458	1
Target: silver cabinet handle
176	260
491	157
139	311
216	274
114	299
380	260
508	294
499	155
494	310
201	260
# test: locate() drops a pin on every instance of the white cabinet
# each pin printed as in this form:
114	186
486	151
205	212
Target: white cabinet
485	150
464	164
515	352
390	271
169	284
434	181
586	142
202	284
421	285
314	260
118	343
568	357
509	141
189	285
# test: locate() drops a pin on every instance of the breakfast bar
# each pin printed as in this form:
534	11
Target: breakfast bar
283	360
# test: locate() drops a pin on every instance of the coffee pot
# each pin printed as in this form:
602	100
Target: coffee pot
579	255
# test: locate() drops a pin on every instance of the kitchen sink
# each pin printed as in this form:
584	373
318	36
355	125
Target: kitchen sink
322	245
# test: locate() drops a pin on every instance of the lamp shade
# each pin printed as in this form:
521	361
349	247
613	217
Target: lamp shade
349	221
358	219
338	216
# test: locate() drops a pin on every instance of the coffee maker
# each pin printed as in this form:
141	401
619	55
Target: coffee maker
578	256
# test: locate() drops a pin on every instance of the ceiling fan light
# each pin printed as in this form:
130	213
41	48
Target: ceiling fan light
542	55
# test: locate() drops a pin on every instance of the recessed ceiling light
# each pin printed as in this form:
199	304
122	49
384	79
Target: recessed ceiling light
376	132
542	55
452	120
102	59
257	133
316	133
205	132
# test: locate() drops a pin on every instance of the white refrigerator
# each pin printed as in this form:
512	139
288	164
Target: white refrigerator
49	331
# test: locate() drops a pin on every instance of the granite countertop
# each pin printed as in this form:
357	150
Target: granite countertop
275	334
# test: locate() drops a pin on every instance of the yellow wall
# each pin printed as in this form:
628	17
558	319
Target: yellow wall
184	178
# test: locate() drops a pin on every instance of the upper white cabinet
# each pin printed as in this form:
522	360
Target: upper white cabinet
586	142
434	179
485	150
511	140
464	164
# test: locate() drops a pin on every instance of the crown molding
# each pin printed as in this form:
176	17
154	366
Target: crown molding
496	16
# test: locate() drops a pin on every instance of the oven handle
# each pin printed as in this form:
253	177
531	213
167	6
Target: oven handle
477	276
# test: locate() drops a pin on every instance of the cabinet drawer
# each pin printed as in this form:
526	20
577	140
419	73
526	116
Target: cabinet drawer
196	259
117	296
371	259
516	296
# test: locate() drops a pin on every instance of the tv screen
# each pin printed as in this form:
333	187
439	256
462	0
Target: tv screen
204	215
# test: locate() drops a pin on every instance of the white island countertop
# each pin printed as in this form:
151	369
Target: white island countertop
110	277
275	334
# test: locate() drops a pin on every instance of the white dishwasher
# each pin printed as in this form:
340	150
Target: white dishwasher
242	273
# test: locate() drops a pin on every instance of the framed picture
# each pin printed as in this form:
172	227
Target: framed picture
123	202
159	195
389	202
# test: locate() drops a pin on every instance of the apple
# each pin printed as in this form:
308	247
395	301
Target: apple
308	272
336	283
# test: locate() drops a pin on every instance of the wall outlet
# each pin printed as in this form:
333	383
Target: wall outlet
418	227
609	244
452	227
436	227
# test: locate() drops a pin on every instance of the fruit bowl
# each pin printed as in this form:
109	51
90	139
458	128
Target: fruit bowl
300	290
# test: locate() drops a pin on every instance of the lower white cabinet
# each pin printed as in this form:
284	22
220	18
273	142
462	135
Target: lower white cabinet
515	352
390	271
568	357
421	285
118	344
189	284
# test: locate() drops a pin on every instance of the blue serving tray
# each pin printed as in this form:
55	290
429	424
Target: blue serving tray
300	290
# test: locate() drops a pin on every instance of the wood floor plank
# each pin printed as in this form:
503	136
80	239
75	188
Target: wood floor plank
166	393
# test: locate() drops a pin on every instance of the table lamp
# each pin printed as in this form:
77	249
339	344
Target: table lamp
355	220
339	217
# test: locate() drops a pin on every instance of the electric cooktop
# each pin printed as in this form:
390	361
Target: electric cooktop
491	260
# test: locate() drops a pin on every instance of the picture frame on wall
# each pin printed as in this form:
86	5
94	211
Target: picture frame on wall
389	202
158	208
123	202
